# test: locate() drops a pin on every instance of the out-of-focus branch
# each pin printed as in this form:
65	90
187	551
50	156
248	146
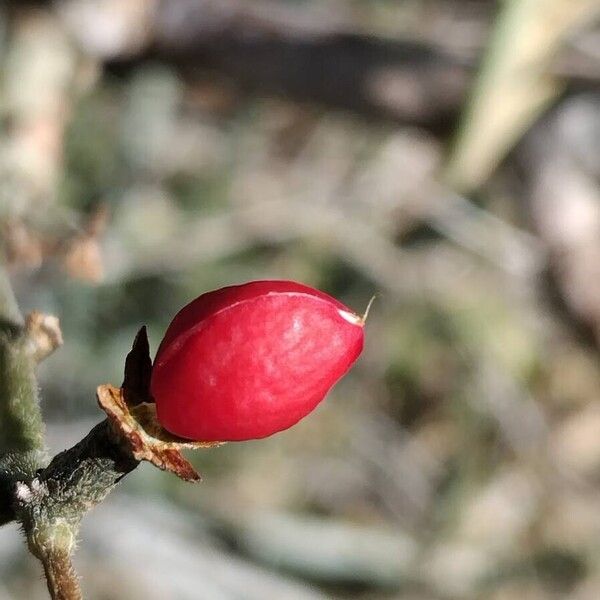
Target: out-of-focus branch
277	48
563	204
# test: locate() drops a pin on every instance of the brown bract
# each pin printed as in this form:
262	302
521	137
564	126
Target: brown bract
132	415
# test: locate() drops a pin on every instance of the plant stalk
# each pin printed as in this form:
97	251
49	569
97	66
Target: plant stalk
63	583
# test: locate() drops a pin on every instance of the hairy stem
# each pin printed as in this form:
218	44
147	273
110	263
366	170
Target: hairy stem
63	583
48	500
81	477
51	505
21	425
22	449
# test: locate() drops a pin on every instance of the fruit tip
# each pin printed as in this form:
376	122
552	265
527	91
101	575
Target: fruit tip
355	319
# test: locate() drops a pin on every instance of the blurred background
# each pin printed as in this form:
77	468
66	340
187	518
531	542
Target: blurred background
442	154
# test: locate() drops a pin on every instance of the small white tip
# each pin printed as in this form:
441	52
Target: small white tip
351	317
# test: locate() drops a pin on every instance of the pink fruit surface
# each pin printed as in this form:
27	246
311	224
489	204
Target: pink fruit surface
247	361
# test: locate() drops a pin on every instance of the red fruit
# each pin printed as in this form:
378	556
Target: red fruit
246	361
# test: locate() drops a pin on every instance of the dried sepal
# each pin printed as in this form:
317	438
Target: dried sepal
43	335
145	415
144	436
132	414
